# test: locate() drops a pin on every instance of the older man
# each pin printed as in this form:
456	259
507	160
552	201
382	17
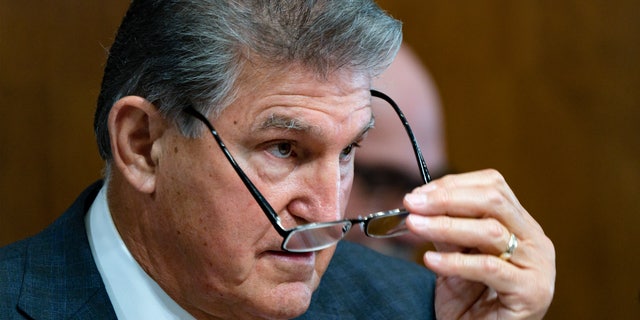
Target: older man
229	130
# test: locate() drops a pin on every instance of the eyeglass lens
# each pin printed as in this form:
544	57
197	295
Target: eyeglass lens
387	224
313	237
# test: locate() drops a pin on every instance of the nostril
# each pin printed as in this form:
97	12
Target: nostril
312	209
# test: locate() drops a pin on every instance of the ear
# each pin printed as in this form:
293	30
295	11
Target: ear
135	127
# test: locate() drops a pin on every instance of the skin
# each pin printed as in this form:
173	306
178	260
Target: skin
190	222
469	217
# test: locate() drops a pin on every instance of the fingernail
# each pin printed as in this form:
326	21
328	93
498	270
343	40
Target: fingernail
416	199
418	221
433	257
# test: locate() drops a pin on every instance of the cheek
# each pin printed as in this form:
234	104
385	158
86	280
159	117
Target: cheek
323	259
358	203
345	190
203	191
218	256
210	214
211	232
222	220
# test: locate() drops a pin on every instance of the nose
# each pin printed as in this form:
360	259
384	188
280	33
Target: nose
320	193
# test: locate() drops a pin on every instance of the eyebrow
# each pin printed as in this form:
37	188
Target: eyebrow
280	121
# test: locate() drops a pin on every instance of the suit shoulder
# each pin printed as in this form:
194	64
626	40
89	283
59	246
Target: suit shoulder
12	259
363	284
12	264
13	250
371	268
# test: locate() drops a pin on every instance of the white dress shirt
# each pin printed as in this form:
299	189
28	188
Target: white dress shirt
133	294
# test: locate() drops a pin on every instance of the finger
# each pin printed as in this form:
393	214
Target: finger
498	274
452	291
473	197
470	202
487	235
472	179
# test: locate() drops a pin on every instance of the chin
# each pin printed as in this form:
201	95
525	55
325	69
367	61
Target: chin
276	307
289	301
285	311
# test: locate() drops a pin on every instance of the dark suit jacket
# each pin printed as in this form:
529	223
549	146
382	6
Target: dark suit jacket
53	276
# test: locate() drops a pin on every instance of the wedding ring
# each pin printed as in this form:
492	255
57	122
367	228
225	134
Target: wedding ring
511	247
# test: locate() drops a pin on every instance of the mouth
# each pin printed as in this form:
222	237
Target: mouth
291	261
292	266
294	256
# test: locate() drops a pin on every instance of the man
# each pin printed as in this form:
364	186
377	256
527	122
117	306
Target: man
229	129
385	168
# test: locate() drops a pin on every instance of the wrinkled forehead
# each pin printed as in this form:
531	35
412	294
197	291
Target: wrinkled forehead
303	85
295	98
258	73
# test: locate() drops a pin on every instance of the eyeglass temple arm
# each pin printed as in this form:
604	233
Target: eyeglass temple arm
424	171
272	215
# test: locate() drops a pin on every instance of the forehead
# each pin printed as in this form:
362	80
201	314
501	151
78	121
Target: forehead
295	98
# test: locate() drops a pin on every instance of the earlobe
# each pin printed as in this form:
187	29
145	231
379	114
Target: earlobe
135	126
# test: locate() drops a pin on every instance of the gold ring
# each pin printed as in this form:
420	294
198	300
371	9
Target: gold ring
511	247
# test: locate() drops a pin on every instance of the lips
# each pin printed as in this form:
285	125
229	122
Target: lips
306	257
291	265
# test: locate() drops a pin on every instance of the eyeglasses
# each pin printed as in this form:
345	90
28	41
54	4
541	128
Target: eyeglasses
321	235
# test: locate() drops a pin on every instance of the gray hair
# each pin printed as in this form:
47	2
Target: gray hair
191	53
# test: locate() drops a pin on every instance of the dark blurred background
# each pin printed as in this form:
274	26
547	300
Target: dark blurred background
547	92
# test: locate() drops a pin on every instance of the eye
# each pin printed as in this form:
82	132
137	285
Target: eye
347	153
282	150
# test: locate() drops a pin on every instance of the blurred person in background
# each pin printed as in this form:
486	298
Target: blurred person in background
385	168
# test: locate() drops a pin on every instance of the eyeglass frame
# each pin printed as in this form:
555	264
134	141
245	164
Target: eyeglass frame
272	215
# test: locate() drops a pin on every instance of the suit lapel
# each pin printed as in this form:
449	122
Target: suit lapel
61	280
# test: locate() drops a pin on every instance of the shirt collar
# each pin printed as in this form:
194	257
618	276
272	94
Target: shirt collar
133	294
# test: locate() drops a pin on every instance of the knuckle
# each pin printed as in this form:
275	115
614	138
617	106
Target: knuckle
495	230
445	198
446	227
496	179
494	176
442	197
490	265
446	182
494	197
